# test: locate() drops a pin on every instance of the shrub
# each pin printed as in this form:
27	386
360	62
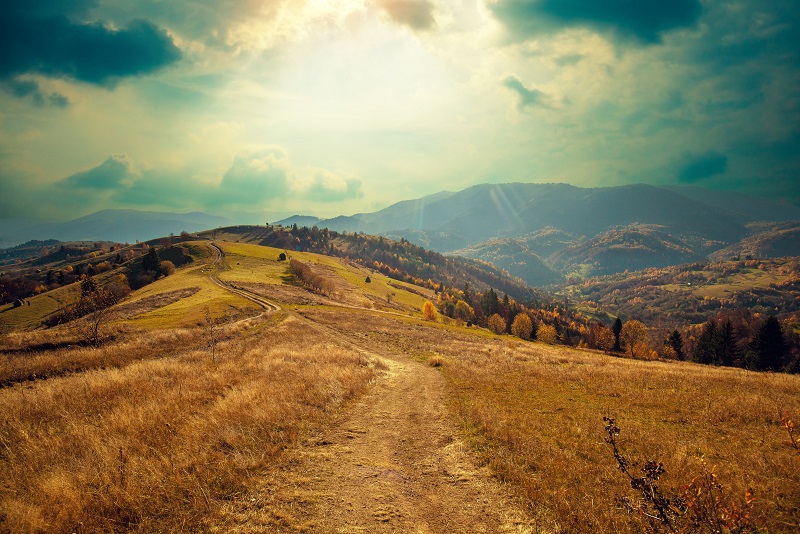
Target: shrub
167	267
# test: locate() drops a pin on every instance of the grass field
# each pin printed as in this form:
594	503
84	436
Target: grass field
146	433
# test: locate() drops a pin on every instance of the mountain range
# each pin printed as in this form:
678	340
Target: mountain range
542	233
546	233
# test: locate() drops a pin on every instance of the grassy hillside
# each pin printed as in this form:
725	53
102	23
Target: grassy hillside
148	432
400	260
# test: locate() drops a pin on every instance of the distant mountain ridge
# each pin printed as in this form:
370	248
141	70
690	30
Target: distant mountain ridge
591	230
122	226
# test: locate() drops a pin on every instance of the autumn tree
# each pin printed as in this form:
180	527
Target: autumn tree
497	324
428	311
522	326
635	337
463	311
603	338
546	334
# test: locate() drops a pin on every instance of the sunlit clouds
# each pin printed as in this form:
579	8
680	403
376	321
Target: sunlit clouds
338	106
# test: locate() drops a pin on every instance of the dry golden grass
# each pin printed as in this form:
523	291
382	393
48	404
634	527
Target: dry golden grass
535	416
159	443
533	413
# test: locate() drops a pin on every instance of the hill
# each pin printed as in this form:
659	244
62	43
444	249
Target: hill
231	396
631	247
767	240
400	259
677	296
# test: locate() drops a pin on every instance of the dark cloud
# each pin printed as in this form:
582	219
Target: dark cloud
416	14
698	167
640	20
108	175
526	97
34	40
30	89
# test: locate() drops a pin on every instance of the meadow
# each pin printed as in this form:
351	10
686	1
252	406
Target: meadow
150	432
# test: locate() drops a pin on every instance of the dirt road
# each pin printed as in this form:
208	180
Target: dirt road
392	463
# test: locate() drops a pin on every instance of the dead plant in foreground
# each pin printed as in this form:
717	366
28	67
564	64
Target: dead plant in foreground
789	424
699	507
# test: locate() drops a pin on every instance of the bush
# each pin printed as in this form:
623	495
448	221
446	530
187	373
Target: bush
167	267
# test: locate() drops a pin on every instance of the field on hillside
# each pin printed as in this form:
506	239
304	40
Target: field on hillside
534	415
178	423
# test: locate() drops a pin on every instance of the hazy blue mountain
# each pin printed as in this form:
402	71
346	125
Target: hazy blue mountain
572	229
124	226
755	208
491	211
299	220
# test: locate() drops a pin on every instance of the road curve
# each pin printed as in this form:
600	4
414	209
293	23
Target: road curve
267	305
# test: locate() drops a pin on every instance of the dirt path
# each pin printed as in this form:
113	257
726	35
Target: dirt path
392	463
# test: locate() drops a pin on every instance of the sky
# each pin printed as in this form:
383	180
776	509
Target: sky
332	107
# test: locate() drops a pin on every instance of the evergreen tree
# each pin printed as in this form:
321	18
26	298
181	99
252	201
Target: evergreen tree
707	348
676	342
769	345
616	328
151	261
490	303
727	344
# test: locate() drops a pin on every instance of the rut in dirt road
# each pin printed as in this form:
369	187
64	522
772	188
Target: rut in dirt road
392	463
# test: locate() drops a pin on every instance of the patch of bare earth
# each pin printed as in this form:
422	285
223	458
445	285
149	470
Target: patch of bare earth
393	462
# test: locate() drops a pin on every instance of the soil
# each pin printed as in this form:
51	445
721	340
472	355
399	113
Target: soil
392	463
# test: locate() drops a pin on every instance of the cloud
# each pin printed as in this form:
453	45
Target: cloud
257	176
34	41
110	174
526	97
30	89
699	167
638	20
327	186
416	14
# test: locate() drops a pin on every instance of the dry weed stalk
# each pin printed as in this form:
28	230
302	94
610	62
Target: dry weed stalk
699	507
789	424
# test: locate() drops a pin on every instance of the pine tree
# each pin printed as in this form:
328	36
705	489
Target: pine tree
151	261
769	345
676	342
616	328
706	349
727	344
